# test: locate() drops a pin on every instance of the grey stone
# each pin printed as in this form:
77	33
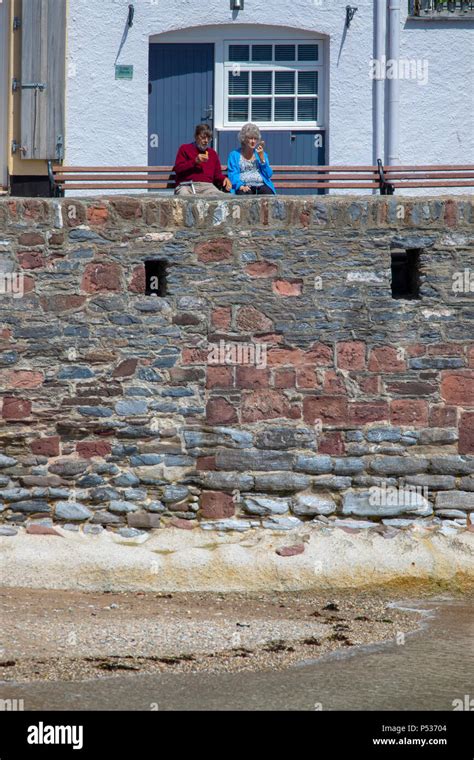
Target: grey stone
106	518
285	438
412	241
455	500
92	529
130	533
281	482
348	466
174	494
435	482
310	505
253	459
354	524
450	513
129	408
314	465
143	520
225	525
72	510
400	522
281	523
68	468
126	479
467	483
7	531
333	482
30	506
227	481
261	505
376	503
7	461
437	436
105	493
145	460
398	465
452	465
122	506
75	373
376	435
155	506
14	494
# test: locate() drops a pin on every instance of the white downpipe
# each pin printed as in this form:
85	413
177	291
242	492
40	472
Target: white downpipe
380	8
394	83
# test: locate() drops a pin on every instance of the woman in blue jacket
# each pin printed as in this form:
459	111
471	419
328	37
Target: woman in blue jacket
248	168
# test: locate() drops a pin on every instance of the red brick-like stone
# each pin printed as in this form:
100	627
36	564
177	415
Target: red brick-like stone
261	269
46	447
219	249
60	302
31	238
363	412
450	213
267	405
31	260
28	284
216	505
443	416
42	530
16	408
290	551
411	388
250	319
333	383
206	463
415	349
409	412
21	378
385	359
446	349
285	356
320	354
89	449
194	356
221	317
100	276
128	208
138	282
126	368
466	433
252	377
220	377
284	378
56	239
458	387
331	410
307	377
287	288
332	443
470	357
369	385
351	354
219	411
179	522
97	214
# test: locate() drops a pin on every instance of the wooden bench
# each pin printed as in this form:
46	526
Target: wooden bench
384	179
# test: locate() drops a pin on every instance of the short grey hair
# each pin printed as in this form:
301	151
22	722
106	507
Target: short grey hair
249	130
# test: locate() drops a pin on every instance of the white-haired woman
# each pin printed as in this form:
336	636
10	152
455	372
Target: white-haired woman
248	168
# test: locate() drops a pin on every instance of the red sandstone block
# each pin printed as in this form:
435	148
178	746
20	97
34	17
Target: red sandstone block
267	405
443	416
470	357
219	411
320	354
363	412
457	387
16	408
194	356
261	269
285	357
97	214
56	238
179	522
386	359
415	349
42	530
138	282
221	317
351	355
216	505
331	443
46	447
290	551
220	377
206	463
219	249
307	377
284	378
333	383
126	368
128	208
409	412
252	377
31	238
31	260
89	449
450	213
446	349
466	433
369	385
21	378
59	302
28	284
287	288
331	410
250	319
100	276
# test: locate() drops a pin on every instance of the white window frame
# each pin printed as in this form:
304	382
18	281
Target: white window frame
274	66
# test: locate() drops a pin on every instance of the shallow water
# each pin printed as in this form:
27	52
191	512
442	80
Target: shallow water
424	670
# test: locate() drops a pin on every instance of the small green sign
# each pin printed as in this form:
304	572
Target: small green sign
123	72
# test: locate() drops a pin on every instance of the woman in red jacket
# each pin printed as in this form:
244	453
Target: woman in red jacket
198	167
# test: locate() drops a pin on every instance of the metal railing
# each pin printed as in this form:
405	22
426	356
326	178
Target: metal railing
441	8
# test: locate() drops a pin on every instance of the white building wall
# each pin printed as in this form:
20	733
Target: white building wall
4	55
106	119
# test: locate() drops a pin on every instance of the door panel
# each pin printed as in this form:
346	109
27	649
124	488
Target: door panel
181	87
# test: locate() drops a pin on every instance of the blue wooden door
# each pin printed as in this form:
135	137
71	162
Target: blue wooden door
287	147
181	93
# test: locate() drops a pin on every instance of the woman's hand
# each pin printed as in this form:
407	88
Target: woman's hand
245	189
261	153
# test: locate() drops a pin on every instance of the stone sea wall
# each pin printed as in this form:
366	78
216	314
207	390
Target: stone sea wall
275	381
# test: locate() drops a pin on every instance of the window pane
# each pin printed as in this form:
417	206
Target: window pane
285	82
238	109
239	52
307	109
239	83
262	109
261	52
284	52
284	109
307	82
308	52
261	82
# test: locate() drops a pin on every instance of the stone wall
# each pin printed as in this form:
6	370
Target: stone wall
277	381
